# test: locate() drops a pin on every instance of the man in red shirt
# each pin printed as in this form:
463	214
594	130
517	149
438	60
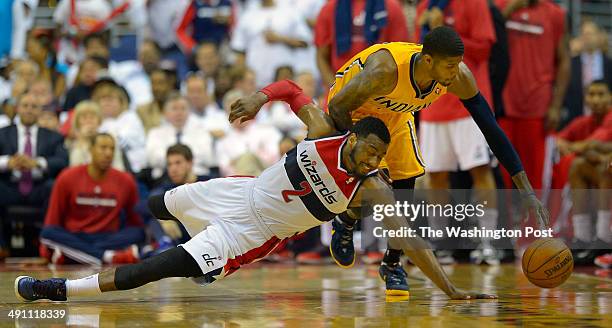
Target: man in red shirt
86	210
450	139
537	80
338	41
587	145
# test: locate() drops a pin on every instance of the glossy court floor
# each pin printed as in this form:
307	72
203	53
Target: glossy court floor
273	295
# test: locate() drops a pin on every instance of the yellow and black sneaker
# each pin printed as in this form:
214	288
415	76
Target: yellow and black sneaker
394	277
341	246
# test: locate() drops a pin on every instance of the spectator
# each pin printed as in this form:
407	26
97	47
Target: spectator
208	62
581	144
244	80
283	73
48	119
305	59
249	147
16	19
184	128
96	45
89	71
121	123
43	91
207	21
224	81
339	41
83	222
179	165
589	65
134	75
85	124
447	121
213	118
538	77
306	81
40	50
30	157
151	113
23	75
163	17
266	37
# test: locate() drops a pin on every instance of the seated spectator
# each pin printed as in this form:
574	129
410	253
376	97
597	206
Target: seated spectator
96	45
121	123
213	118
208	62
151	113
40	49
86	122
89	71
249	147
23	75
223	83
43	90
244	80
84	221
586	144
179	165
30	158
184	128
48	119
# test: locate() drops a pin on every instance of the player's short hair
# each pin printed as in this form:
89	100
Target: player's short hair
180	149
372	125
599	81
443	41
95	137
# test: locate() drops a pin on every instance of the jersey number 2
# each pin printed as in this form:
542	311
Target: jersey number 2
306	189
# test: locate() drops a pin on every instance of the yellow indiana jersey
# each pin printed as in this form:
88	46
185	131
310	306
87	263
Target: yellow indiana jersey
406	97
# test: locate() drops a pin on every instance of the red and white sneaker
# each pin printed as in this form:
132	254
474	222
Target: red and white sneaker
126	256
604	261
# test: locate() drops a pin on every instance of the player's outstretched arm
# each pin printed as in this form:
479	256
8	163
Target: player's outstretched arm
419	252
466	89
378	77
319	124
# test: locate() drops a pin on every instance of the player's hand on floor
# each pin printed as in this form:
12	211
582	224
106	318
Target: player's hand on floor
247	107
464	295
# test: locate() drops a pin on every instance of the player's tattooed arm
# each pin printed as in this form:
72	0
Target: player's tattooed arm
378	77
376	191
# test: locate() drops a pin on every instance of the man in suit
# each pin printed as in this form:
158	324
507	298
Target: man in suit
30	157
589	65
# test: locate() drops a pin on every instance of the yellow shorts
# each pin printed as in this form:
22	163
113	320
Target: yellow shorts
404	159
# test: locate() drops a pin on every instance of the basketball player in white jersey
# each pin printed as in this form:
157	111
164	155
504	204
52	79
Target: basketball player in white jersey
237	220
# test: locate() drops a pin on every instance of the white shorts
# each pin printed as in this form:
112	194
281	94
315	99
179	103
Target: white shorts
448	146
226	232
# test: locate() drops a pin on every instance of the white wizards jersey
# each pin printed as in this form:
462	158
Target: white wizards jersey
307	186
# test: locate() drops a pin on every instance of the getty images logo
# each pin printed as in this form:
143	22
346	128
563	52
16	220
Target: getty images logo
209	260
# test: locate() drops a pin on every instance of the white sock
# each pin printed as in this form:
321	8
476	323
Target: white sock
87	286
489	222
603	226
582	227
108	256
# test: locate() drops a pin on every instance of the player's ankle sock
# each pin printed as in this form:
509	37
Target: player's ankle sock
582	227
346	220
488	221
392	256
87	286
603	226
108	256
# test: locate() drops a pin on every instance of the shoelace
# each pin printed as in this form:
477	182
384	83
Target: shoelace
346	236
398	277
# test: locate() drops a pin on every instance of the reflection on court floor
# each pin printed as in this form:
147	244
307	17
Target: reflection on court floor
267	295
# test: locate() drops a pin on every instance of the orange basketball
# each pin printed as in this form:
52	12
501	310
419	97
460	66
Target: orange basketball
548	262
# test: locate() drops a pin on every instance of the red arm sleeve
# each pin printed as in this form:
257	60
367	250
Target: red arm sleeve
133	219
288	92
323	26
186	41
397	28
60	198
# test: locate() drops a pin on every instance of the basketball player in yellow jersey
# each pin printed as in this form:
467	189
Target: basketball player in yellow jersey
391	81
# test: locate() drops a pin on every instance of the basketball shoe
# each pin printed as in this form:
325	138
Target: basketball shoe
28	289
394	277
341	246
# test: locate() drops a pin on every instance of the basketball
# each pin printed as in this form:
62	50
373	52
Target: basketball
548	262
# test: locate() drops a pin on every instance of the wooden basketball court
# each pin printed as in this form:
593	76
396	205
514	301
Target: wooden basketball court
274	295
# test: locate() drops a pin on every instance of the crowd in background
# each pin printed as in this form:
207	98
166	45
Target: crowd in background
88	137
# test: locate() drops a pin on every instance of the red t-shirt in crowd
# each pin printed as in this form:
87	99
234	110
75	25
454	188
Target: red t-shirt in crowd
81	204
534	34
325	29
587	128
472	20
